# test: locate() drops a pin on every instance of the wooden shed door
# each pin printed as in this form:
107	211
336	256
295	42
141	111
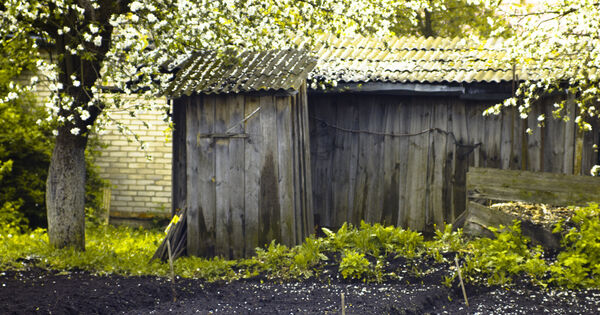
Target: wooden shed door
244	173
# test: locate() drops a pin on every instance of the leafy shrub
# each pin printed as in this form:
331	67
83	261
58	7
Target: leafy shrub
504	256
307	256
354	265
578	265
376	240
28	145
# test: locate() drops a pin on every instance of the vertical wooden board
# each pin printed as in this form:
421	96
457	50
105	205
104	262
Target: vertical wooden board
201	186
253	161
374	210
407	113
307	210
236	177
207	182
192	175
322	158
448	167
534	141
438	208
508	136
578	170
285	179
418	158
391	189
178	179
354	149
461	155
403	127
297	171
517	157
340	166
476	127
222	179
494	139
365	142
269	206
554	139
570	134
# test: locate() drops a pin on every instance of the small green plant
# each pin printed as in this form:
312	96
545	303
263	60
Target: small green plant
307	256
504	256
578	266
354	265
274	260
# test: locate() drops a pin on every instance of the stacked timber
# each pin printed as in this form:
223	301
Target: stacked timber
177	238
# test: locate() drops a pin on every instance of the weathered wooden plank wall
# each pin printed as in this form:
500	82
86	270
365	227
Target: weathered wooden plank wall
403	159
246	181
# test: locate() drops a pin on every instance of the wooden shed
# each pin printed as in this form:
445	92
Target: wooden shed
241	161
393	141
258	156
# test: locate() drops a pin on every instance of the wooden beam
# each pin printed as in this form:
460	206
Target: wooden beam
537	187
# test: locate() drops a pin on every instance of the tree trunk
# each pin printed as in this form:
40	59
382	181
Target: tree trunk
65	192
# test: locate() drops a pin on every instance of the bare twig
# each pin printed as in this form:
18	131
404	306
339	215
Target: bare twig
462	285
172	271
343	305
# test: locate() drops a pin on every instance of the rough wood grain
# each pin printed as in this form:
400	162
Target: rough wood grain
341	164
269	207
537	187
570	134
402	162
178	170
285	179
193	177
373	162
391	165
534	141
323	137
307	210
437	207
418	160
223	182
253	161
236	177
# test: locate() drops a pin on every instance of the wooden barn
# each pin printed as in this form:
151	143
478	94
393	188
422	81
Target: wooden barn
258	156
241	160
393	142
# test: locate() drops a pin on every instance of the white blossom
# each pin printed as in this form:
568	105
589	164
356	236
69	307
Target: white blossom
75	131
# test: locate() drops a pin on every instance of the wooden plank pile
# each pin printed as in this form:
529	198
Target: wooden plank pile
177	237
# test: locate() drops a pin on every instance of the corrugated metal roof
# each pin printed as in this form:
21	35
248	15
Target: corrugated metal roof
205	72
413	59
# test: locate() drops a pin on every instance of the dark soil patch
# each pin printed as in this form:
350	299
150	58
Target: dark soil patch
47	292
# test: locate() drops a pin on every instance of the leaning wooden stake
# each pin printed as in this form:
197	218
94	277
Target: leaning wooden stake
462	285
343	305
172	271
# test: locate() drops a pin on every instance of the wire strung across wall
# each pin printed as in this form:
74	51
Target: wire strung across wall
389	134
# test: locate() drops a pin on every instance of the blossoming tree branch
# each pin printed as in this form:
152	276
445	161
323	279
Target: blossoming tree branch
126	44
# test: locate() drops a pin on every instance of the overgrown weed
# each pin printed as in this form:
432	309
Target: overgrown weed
360	254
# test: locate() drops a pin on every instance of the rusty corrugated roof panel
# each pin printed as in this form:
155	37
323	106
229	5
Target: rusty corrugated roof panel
413	59
205	72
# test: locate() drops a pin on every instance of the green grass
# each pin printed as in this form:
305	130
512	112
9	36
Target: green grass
358	253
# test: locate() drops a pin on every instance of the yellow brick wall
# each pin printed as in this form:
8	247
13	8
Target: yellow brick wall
139	185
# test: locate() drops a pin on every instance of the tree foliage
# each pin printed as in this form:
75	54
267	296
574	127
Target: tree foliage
559	40
126	44
451	18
